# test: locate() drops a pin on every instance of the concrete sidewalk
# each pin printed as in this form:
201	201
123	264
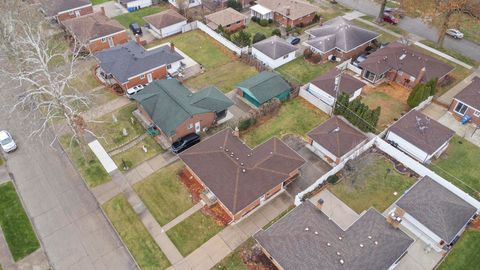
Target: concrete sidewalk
109	107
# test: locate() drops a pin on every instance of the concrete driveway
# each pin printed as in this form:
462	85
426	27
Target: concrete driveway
239	109
310	171
419	257
112	9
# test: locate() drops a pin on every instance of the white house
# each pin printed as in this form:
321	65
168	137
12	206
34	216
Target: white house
166	23
433	213
334	140
419	136
133	5
274	51
191	3
324	89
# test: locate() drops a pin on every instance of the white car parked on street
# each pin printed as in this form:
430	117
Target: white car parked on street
7	142
455	33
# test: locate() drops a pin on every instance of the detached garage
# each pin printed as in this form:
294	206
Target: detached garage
166	23
263	87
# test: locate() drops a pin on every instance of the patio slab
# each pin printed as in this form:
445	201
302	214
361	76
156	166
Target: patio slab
418	257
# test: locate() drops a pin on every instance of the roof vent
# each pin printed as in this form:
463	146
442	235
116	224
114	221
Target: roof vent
361	245
335	130
342	261
316	233
221	147
306	229
237	158
271	153
244	171
376	242
402	56
338	253
340	238
226	149
369	237
241	163
328	244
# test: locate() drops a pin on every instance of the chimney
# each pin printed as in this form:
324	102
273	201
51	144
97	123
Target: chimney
102	9
172	47
137	39
420	76
319	203
287	11
236	132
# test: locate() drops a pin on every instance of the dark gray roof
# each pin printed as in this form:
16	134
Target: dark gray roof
130	59
237	174
296	248
265	85
341	34
471	94
397	56
336	136
53	7
274	47
437	208
423	132
348	84
169	103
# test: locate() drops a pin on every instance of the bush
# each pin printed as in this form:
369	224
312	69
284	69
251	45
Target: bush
270	21
316	18
357	113
234	4
421	92
307	53
258	37
241	38
263	22
332	179
255	19
245	123
276	32
316	58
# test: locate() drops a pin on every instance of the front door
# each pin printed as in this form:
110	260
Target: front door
149	77
77	13
110	42
198	128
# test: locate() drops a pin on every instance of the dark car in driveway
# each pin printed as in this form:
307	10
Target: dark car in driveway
136	29
390	18
185	142
293	40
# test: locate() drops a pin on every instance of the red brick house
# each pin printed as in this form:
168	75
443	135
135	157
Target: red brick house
285	12
62	10
402	64
230	20
130	64
467	102
96	31
239	178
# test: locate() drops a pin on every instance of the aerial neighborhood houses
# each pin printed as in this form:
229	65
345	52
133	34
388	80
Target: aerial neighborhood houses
274	51
166	23
285	12
229	19
61	10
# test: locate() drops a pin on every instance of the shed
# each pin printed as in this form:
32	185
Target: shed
263	87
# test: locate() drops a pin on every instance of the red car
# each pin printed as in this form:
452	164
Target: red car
389	18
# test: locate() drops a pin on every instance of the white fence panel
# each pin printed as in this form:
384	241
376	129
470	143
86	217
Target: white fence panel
189	27
225	42
354	69
314	100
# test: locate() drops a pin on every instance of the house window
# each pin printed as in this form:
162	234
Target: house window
169	66
477	113
104	40
369	76
285	57
190	126
142	76
460	108
71	13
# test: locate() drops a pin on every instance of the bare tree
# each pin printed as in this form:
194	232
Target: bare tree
43	70
183	6
383	4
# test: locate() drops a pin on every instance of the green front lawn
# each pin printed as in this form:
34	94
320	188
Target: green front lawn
88	165
137	16
459	165
225	77
164	194
206	51
254	28
193	232
301	72
371	182
134	234
464	254
110	133
234	261
135	155
97	2
16	226
391	108
296	116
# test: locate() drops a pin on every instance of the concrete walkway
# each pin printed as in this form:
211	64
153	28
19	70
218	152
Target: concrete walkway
335	209
226	241
183	216
109	107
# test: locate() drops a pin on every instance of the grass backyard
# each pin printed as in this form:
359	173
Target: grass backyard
371	182
459	165
134	234
135	155
88	166
464	254
253	28
301	72
16	226
110	133
137	16
296	116
164	194
193	232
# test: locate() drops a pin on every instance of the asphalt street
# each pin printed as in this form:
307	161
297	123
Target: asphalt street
418	27
71	226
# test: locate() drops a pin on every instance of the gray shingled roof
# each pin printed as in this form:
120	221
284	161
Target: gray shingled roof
471	94
296	248
341	34
130	59
348	84
337	136
169	103
274	47
219	162
430	139
437	208
265	85
53	7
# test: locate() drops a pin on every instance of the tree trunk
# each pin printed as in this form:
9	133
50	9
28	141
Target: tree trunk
382	10
443	29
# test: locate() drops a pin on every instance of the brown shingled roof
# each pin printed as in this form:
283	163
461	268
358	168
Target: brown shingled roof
336	136
471	94
224	17
432	137
92	26
237	174
164	18
348	84
298	8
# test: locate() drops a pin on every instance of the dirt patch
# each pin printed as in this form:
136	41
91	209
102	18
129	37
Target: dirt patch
191	184
217	212
392	89
255	259
476	223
